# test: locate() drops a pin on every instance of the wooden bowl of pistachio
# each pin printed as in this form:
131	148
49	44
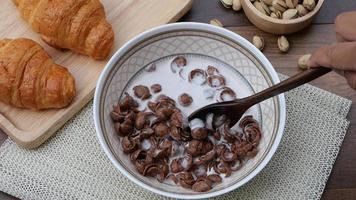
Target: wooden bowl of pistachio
281	16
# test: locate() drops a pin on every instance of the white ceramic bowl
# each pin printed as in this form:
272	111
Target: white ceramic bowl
198	39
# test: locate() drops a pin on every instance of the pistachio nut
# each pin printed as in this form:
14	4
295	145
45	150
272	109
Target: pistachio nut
291	3
309	4
267	2
265	7
216	22
279	5
301	10
283	44
226	3
271	8
259	42
236	5
259	7
303	61
279	14
290	14
273	15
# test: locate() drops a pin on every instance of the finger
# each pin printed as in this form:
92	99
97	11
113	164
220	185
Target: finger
345	24
351	78
339	38
340	56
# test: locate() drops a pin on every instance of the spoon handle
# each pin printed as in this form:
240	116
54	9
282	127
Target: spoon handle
286	85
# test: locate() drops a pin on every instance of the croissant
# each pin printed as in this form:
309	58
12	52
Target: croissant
78	25
30	79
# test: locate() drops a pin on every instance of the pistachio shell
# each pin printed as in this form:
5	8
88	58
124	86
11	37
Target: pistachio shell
271	8
283	44
273	15
301	10
291	3
268	2
259	7
216	22
226	3
265	7
290	14
259	42
309	4
303	61
279	14
279	5
236	5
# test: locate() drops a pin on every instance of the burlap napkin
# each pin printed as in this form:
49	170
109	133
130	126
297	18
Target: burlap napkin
72	166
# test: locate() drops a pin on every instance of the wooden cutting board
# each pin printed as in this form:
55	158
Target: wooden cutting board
128	18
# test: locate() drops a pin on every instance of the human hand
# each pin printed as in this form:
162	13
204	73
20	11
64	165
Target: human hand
341	56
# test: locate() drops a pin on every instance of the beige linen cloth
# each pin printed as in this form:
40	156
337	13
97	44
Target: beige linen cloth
72	166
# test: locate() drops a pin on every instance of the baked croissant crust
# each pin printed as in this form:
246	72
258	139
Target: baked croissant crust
30	79
78	25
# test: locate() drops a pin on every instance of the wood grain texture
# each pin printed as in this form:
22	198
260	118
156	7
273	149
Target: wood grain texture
4	196
205	10
339	194
30	128
342	181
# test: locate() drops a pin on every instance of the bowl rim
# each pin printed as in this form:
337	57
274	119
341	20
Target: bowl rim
174	27
282	21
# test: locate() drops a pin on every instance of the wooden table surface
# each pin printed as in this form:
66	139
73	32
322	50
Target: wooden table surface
342	182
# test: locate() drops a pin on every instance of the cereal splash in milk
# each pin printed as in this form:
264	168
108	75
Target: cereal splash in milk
175	82
152	122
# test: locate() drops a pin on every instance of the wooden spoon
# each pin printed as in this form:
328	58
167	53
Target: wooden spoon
236	108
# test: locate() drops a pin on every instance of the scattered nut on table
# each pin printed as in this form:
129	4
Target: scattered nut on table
283	44
303	61
259	42
216	22
226	3
236	5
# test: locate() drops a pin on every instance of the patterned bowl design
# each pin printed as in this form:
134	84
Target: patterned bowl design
188	38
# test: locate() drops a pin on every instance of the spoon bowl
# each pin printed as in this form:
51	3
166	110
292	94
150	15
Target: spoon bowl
234	110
